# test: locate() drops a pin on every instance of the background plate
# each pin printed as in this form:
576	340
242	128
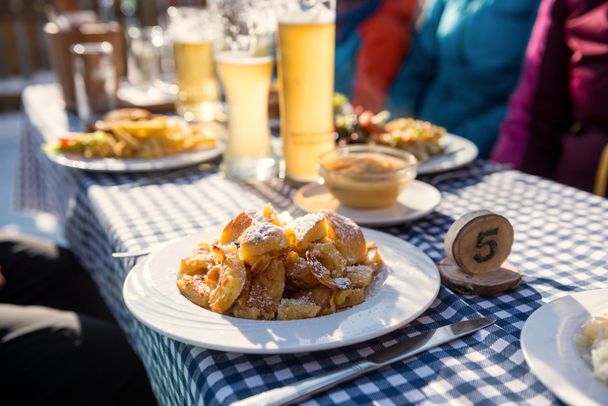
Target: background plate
137	165
402	291
440	163
548	344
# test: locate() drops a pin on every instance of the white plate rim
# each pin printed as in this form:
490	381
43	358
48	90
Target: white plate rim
385	221
136	165
558	379
431	273
461	158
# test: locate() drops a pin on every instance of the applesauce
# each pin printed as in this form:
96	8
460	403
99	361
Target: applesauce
367	177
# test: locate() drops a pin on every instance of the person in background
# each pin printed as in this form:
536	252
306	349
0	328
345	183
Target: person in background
465	62
59	344
557	124
372	40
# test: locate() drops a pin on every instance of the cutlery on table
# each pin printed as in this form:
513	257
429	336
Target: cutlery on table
465	173
398	352
132	254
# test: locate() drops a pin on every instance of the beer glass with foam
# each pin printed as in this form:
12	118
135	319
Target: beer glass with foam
192	32
244	59
306	35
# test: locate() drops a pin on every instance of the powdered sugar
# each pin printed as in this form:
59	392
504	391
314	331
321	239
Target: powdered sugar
317	268
304	300
285	217
342	283
359	268
344	228
302	225
260	232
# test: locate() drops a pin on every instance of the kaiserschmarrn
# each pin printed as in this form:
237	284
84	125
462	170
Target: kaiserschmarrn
266	267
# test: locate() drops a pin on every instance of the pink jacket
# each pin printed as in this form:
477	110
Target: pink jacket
557	123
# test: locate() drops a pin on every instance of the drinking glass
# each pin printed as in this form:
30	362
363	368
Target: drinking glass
143	59
192	31
95	83
61	39
306	35
243	54
167	83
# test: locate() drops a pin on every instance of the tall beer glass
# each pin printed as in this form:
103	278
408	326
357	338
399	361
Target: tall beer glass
306	83
244	59
192	31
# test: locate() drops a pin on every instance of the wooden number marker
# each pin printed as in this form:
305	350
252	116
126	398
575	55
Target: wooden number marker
477	246
489	283
479	241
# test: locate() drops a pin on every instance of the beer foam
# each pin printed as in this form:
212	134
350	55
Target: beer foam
192	40
316	15
241	58
189	36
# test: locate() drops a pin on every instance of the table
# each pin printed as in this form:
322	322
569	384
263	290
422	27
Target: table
561	244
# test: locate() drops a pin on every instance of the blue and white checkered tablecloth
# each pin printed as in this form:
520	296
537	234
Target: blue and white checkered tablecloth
561	244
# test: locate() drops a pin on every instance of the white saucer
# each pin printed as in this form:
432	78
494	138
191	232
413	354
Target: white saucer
416	201
549	347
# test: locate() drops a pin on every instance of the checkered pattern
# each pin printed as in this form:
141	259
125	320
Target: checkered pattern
561	246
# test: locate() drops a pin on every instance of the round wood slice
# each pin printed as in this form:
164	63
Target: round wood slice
479	241
484	284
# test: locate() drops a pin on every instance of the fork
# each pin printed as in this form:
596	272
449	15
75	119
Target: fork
464	173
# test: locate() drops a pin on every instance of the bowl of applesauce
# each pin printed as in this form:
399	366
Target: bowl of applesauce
367	176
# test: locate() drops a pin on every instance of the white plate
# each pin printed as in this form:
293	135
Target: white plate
548	344
137	165
402	291
467	152
145	98
417	200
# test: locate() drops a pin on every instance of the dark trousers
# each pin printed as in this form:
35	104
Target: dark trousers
59	344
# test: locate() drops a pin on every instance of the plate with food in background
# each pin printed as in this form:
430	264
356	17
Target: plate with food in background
373	185
565	343
267	283
135	140
435	149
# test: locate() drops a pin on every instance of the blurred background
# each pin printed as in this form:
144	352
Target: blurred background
26	61
22	43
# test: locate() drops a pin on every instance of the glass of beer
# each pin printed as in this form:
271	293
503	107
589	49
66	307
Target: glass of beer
244	59
192	31
306	35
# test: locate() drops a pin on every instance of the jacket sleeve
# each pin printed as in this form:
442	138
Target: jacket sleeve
385	42
419	69
539	109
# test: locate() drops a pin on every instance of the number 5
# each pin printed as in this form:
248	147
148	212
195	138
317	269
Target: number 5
491	244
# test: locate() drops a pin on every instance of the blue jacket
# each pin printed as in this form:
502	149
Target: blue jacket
464	63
